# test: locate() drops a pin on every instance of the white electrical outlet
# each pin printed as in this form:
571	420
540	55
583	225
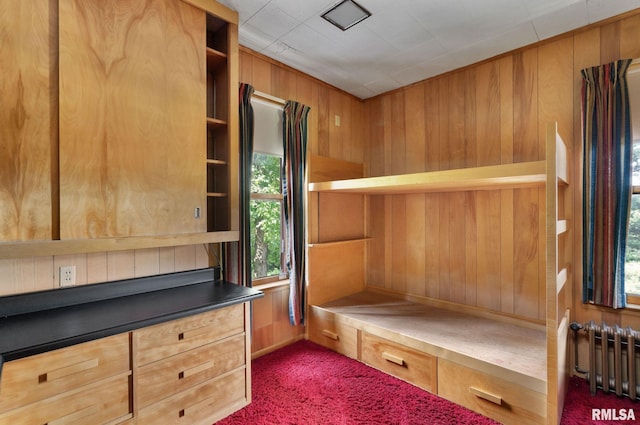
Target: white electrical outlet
67	276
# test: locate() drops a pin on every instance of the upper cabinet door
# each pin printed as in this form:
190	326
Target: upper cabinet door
132	118
28	118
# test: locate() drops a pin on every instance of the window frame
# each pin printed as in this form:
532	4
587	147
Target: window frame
279	197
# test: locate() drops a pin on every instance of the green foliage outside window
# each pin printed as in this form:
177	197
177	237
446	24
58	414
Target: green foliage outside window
266	217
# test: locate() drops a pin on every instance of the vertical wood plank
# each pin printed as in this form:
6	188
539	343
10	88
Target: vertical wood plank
324	147
261	75
526	255
185	258
396	145
457	247
444	250
375	252
120	265
488	114
507	250
470	119
610	42
526	146
167	260
416	245
444	158
471	247
455	141
376	138
432	244
490	248
147	262
506	109
414	107
399	243
432	122
28	119
97	267
630	37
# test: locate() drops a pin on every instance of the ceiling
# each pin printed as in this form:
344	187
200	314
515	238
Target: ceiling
405	41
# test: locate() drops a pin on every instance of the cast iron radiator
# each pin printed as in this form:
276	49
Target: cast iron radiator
614	354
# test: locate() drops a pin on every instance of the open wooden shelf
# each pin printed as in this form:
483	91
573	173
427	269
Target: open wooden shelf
215	58
215	122
478	178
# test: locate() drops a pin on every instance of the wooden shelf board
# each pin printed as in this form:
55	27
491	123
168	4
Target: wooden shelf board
215	122
336	243
216	195
215	58
216	162
79	246
478	178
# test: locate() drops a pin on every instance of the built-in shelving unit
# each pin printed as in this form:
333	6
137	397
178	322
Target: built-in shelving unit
477	178
337	284
218	136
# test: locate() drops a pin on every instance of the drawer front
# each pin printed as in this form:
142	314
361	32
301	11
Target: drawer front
167	339
405	363
327	330
489	395
162	379
44	375
99	403
200	404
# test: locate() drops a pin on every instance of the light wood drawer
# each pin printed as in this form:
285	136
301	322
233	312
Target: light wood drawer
198	404
327	330
489	395
161	379
167	339
102	402
405	363
44	375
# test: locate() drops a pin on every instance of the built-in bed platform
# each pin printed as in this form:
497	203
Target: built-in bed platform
491	364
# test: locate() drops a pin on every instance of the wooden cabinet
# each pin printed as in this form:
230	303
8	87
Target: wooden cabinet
192	370
28	119
119	125
84	384
132	96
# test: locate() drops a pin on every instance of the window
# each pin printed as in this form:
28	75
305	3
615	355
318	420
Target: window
632	260
266	206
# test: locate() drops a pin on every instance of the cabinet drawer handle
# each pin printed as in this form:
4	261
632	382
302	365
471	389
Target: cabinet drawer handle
68	370
75	416
194	370
193	333
331	335
486	396
187	411
393	358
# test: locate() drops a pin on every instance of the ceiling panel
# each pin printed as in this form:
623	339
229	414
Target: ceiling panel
405	41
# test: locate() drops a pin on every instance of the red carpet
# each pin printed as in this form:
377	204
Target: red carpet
306	384
579	406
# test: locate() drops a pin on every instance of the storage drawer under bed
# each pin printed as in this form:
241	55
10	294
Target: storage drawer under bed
398	360
327	329
492	396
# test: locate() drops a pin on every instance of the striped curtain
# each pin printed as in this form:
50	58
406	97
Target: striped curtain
242	250
606	182
293	181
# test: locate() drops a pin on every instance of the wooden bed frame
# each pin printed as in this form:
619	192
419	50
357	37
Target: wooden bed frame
510	368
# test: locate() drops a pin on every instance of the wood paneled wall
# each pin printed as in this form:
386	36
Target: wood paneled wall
41	273
483	249
271	328
346	141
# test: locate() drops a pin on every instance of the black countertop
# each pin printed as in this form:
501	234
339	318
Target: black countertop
38	322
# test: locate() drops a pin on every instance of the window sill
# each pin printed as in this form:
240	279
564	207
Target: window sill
271	285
